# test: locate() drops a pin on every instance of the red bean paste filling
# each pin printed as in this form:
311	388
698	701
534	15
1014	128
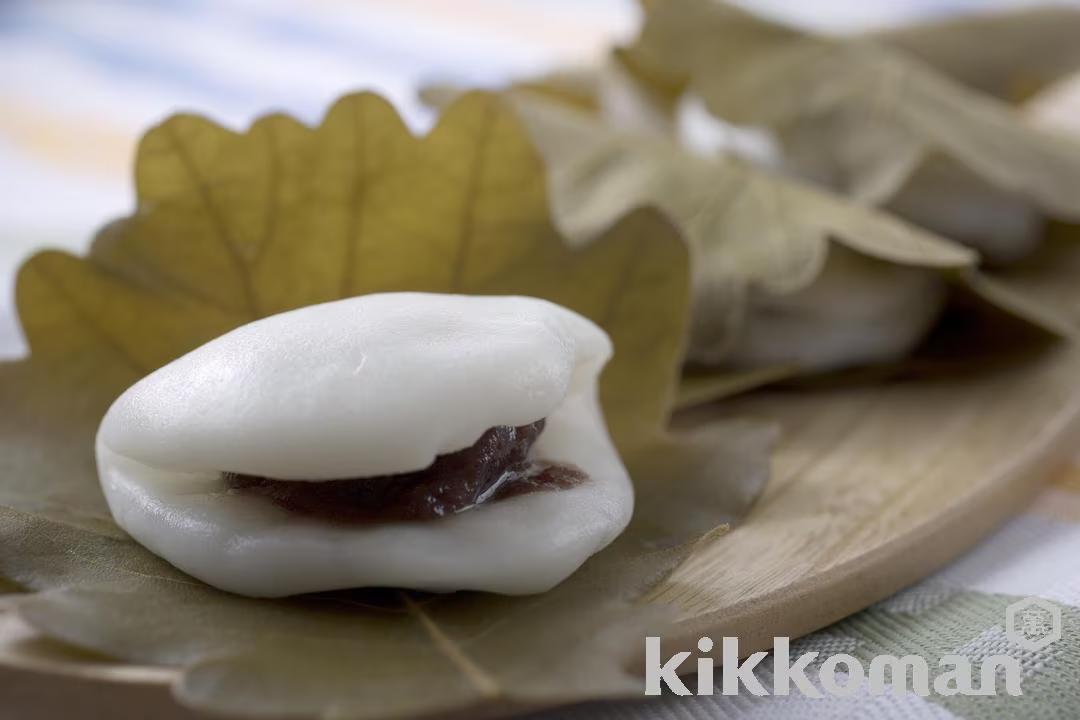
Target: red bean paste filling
494	468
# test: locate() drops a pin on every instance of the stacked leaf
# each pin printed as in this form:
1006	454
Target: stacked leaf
767	302
1011	54
232	227
1053	270
769	290
877	124
789	279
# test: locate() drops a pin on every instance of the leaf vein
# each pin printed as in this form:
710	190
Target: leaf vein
217	220
273	172
472	190
481	680
359	200
110	342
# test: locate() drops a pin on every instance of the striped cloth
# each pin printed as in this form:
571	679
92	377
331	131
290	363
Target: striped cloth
79	82
960	610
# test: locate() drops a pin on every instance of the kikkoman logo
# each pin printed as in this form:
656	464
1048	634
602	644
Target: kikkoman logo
1031	624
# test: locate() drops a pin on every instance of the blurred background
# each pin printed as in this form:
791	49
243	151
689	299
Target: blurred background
80	81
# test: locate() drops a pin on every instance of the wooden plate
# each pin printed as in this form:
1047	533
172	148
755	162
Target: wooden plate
873	488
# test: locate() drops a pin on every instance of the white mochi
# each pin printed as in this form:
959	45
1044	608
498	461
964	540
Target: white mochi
954	202
858	311
373	385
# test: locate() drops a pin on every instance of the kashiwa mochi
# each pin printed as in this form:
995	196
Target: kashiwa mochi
952	201
842	151
858	311
436	442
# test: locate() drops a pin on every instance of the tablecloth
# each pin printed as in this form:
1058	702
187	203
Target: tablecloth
79	82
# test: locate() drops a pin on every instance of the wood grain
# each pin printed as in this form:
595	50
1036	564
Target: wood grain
874	487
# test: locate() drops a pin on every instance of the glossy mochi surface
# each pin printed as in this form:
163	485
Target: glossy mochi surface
373	385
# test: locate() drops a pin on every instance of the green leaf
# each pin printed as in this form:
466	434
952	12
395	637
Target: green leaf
361	654
699	387
762	243
860	113
1042	285
755	235
884	127
1024	303
1010	54
231	227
